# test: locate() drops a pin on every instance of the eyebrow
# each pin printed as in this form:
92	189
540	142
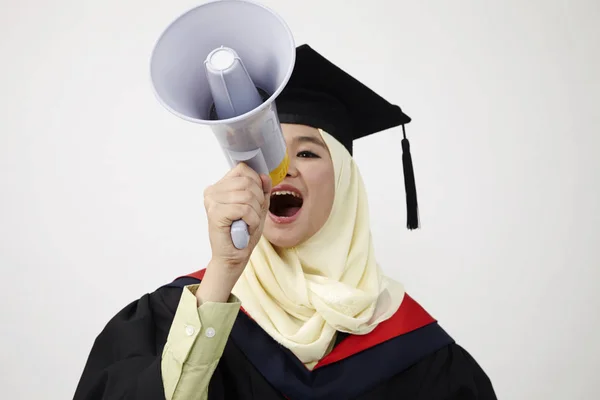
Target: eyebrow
310	139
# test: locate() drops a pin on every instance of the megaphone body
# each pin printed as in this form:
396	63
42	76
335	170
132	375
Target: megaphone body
223	64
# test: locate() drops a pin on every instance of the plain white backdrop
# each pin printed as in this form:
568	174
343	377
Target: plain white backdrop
101	188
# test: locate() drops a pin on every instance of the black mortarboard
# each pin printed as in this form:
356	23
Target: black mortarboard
321	95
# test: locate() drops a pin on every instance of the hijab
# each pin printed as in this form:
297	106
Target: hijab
331	282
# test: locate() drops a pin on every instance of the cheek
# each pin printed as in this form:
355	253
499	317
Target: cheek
321	185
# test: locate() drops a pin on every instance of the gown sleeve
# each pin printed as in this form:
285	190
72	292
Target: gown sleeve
453	374
157	349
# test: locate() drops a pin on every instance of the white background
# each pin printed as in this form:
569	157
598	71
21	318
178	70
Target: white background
101	188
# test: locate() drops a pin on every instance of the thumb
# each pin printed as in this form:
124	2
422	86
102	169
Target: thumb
267	185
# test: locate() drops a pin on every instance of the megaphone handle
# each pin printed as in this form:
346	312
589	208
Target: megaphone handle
239	234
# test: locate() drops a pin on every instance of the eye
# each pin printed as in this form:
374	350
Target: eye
307	154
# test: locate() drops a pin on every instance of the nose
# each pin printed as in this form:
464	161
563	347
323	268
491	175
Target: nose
292	171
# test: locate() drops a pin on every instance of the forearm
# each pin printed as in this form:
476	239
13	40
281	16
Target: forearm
217	283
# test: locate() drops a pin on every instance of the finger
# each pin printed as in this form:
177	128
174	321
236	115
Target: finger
266	188
267	184
251	186
228	213
242	197
239	183
242	169
253	221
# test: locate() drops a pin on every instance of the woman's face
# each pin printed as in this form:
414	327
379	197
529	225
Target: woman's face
301	204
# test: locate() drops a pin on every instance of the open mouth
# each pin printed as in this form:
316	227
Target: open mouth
285	203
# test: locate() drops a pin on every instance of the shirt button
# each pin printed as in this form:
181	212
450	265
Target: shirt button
210	332
189	330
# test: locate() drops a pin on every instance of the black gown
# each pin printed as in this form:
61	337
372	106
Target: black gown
407	357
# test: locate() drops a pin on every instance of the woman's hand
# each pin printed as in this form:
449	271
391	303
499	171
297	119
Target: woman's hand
240	194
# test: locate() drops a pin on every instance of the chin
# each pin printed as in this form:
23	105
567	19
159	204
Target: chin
283	237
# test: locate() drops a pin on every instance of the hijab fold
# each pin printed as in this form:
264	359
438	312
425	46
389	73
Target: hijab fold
301	296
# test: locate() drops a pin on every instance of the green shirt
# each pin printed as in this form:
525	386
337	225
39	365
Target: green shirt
195	345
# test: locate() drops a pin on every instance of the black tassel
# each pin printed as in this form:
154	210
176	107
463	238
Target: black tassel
412	207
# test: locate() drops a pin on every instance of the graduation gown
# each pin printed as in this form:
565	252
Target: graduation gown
406	357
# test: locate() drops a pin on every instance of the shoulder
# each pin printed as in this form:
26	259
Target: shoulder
144	321
468	376
451	371
454	361
163	299
442	368
157	307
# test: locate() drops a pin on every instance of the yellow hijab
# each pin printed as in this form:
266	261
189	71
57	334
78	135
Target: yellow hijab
301	296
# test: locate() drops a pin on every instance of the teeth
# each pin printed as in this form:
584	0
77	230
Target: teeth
278	193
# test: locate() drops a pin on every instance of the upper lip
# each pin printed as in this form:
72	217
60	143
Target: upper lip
286	188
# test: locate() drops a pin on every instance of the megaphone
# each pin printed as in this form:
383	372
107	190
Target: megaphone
223	64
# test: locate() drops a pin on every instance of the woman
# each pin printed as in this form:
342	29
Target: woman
318	318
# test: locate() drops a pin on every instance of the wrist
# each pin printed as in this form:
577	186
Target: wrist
217	283
226	269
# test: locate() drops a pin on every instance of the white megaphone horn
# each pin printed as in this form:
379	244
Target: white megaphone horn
223	64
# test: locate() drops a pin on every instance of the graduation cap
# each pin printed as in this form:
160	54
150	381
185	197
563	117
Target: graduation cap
321	95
